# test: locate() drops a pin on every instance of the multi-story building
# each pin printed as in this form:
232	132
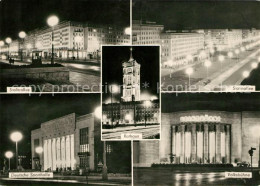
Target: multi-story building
146	33
179	48
71	40
202	137
72	142
223	38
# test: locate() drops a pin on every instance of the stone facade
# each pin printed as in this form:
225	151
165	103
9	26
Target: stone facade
241	131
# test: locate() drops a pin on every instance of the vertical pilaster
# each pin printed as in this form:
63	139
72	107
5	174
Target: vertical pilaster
182	156
58	152
173	140
45	154
218	144
193	143
206	143
54	149
227	142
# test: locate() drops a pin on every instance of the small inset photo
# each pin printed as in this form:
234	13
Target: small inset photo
131	92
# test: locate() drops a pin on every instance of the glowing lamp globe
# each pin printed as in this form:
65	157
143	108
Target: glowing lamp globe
128	31
52	21
207	63
245	74
254	65
39	150
2	43
189	71
22	34
9	154
16	136
8	40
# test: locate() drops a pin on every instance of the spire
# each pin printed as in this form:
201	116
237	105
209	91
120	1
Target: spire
131	55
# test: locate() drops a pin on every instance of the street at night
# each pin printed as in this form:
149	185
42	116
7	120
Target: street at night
192	177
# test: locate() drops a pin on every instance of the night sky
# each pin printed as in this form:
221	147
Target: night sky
112	70
26	113
210	101
199	14
17	15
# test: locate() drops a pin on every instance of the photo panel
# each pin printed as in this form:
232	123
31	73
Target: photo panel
131	92
55	46
205	46
58	136
206	139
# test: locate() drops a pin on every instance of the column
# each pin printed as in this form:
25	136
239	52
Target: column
178	145
188	145
54	149
49	154
193	143
182	155
218	144
206	143
63	160
223	145
200	145
227	150
45	154
68	161
73	161
173	140
212	144
58	153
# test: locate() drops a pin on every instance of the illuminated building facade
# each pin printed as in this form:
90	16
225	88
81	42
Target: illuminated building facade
72	142
180	48
202	137
131	79
145	33
71	40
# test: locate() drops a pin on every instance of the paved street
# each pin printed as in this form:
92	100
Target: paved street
85	75
147	132
164	176
232	67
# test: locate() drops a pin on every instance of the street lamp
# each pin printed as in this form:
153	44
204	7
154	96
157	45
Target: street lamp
8	40
9	155
77	40
207	65
39	151
245	74
230	54
104	169
16	137
189	71
221	59
147	104
52	21
113	89
127	31
237	52
189	57
22	35
254	65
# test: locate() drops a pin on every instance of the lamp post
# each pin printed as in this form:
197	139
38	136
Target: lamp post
16	137
221	59
39	151
147	104
230	55
104	169
237	52
113	89
8	40
189	71
77	40
52	21
22	35
207	65
9	155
